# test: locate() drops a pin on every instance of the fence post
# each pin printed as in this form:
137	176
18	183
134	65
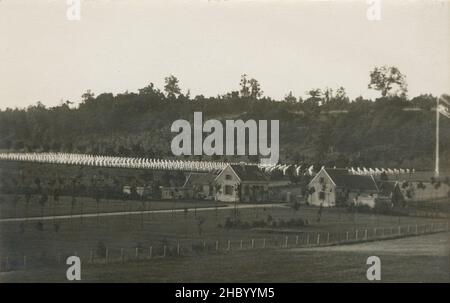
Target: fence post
253	243
178	248
241	244
217	245
164	250
328	237
204	245
365	234
150	252
318	238
106	256
346	236
399	230
121	255
375	232
286	242
229	245
264	243
137	253
356	235
296	240
307	238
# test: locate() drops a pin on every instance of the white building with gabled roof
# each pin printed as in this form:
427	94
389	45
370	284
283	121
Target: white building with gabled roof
242	183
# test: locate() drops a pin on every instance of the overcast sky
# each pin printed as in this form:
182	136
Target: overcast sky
121	45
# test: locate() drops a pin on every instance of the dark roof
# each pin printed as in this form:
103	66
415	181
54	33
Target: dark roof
249	173
341	177
199	178
386	187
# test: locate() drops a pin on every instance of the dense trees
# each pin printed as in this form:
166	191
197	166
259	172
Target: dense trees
326	128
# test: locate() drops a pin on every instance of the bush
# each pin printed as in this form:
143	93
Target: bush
382	206
228	223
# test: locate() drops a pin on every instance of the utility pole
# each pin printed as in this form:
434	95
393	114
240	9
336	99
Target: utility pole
436	169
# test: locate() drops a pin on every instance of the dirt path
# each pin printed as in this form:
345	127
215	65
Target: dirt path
125	213
427	245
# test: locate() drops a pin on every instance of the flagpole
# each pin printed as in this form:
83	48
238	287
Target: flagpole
436	169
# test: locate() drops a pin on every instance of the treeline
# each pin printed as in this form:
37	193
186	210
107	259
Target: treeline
326	128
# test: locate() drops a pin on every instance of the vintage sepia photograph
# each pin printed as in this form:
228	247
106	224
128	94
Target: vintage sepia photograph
224	141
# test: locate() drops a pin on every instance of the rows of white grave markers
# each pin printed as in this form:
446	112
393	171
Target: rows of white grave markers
177	165
299	169
379	171
109	161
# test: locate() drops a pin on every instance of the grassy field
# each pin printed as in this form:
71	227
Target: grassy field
415	259
45	243
66	236
11	207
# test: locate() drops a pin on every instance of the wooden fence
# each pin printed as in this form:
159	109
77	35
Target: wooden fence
186	248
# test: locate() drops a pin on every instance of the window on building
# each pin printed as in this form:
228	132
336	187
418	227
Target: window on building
228	190
322	195
228	177
322	180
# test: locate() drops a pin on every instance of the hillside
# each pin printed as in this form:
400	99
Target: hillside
381	133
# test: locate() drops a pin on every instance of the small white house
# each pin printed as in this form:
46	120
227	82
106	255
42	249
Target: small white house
241	183
331	187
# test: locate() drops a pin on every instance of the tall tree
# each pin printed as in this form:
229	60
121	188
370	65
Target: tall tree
87	96
327	94
171	86
250	88
388	80
314	96
290	98
245	86
255	89
341	95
